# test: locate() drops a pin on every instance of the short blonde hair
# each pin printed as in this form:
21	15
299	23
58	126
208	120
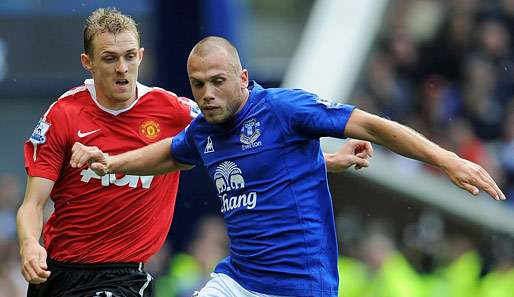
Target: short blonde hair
108	20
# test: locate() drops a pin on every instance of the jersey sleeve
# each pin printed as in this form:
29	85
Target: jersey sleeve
45	150
307	115
193	108
183	149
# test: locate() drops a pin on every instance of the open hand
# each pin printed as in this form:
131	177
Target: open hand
471	177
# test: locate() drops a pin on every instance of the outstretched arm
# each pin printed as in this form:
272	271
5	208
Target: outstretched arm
152	159
353	152
407	142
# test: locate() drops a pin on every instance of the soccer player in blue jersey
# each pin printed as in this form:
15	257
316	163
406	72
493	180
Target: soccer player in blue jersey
261	148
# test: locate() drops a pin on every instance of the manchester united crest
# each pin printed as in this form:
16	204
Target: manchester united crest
150	129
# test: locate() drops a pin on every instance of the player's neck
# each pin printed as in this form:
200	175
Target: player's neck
113	103
246	94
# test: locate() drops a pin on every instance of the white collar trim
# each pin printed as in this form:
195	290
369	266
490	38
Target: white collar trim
141	91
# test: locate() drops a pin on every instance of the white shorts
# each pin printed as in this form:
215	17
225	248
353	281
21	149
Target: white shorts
221	285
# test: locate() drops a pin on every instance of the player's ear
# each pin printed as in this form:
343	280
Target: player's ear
244	79
86	62
141	52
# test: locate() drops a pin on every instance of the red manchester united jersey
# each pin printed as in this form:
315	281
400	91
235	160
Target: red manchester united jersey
113	218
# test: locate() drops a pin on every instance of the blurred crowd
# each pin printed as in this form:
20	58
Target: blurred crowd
446	69
421	259
12	283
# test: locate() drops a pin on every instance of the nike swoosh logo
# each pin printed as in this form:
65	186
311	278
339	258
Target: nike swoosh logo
80	134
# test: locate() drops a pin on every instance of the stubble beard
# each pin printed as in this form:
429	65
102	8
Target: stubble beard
229	113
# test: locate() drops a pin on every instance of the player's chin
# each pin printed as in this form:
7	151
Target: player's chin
123	95
214	118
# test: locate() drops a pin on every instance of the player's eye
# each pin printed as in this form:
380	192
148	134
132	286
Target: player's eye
108	59
218	81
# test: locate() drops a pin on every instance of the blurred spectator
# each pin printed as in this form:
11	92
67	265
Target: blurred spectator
10	199
499	282
392	275
376	249
424	18
404	55
388	94
12	283
506	151
440	102
443	55
460	267
158	264
507	11
480	106
494	39
423	240
190	271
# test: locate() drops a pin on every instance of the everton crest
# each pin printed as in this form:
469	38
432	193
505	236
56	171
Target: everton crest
250	133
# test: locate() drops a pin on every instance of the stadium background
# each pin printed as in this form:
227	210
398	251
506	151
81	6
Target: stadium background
443	67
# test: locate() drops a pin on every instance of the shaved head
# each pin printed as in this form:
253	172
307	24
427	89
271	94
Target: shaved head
218	82
213	44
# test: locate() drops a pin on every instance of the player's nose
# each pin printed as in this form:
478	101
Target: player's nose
121	66
208	94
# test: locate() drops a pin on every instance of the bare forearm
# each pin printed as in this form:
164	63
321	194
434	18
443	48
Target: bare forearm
409	143
144	161
139	163
396	137
29	221
149	160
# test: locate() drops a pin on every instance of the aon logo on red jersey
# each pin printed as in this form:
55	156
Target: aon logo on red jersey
110	179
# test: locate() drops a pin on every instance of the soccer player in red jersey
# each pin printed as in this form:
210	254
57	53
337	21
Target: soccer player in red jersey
104	228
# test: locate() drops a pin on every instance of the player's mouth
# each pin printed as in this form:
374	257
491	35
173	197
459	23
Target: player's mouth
209	108
122	84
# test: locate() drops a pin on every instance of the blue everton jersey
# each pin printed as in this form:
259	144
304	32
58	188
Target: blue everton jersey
270	174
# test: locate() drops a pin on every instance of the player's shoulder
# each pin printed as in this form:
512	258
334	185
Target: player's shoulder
69	101
162	94
171	96
291	94
198	122
287	98
277	95
159	92
77	91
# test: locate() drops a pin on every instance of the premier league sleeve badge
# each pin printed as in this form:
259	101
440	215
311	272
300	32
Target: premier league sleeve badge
38	136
